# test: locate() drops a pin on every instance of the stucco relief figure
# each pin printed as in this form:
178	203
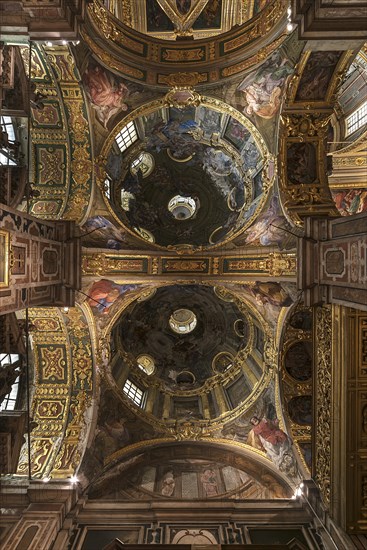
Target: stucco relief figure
266	435
263	90
106	94
209	481
168	484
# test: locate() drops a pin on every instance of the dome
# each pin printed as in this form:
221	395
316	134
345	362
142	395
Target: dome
184	341
186	176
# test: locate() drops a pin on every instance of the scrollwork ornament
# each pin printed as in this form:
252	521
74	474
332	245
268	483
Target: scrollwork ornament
188	430
182	96
323	369
100	15
270	355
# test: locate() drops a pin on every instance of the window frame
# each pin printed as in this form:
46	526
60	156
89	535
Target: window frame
132	391
126	136
360	119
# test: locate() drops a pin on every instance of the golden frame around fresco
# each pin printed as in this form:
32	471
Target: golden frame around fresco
4	258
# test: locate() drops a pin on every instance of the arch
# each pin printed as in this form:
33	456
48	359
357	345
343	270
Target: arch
120	467
63	351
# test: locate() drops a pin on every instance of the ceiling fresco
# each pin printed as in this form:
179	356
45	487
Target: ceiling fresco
169	19
194	387
110	95
200	153
187	473
188	296
144	328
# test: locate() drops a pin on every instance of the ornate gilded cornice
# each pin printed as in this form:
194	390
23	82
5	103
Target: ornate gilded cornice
135	267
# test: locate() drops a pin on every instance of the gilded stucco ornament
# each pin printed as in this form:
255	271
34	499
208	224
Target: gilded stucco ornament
61	154
183	431
183	79
63	354
305	119
181	97
323	374
262	34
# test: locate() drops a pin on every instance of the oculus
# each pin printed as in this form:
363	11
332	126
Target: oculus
183	321
182	208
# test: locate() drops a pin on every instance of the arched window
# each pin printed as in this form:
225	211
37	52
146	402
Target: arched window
126	137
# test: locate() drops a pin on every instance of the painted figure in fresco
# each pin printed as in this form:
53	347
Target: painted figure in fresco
317	74
266	292
209	120
301	163
301	320
306	449
351	201
168	484
298	361
263	90
270	229
117	430
104	293
210	16
236	133
106	94
111	436
177	136
209	481
300	409
157	20
103	234
267	436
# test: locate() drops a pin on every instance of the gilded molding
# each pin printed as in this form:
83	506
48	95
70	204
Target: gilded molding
323	399
240	42
273	264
